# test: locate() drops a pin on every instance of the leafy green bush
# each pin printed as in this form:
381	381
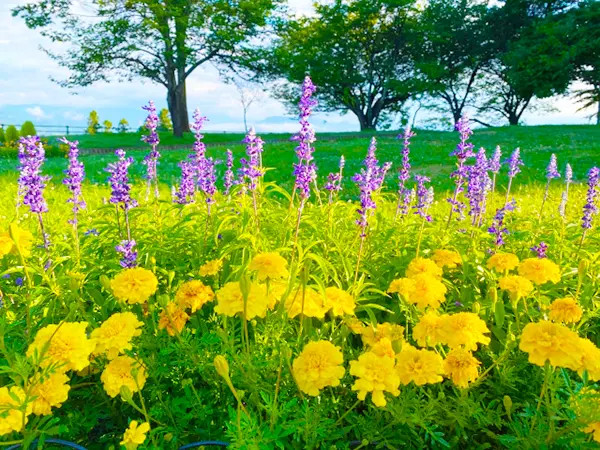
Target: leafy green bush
93	123
123	126
107	126
2	136
11	135
164	120
27	129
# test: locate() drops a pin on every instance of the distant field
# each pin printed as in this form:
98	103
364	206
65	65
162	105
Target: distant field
578	145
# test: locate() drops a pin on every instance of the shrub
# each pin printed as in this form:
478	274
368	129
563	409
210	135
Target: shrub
123	126
107	126
164	120
93	123
27	129
2	137
11	136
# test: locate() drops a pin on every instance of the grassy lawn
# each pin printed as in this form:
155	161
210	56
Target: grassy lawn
579	145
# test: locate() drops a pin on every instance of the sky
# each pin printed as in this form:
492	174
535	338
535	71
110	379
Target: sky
27	92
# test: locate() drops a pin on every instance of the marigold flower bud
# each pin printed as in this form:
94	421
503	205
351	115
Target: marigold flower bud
507	404
222	366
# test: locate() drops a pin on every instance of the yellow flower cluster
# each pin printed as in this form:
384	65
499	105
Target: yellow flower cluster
318	366
115	334
376	374
422	285
561	347
503	262
586	406
462	329
135	285
194	295
518	287
49	392
21	240
230	300
539	270
373	334
173	319
419	366
211	268
65	346
123	371
461	367
339	301
420	266
135	435
308	302
12	415
447	258
565	310
269	265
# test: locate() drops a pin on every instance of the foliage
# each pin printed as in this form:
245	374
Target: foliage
11	136
359	53
123	126
107	124
161	42
93	123
2	136
164	120
250	395
27	129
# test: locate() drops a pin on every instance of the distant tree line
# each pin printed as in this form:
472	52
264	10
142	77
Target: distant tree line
371	58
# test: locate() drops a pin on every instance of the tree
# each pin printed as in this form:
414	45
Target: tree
2	136
163	41
107	126
358	54
531	58
584	40
123	126
248	94
454	48
93	123
12	136
164	121
28	129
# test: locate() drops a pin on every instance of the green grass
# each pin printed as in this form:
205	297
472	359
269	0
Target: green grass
577	144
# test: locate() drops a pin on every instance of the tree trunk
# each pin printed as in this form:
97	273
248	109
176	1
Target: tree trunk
513	119
598	114
177	101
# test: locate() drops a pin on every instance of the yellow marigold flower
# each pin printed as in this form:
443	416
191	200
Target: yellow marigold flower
50	392
12	417
194	295
419	366
135	285
116	333
547	341
318	366
429	291
594	429
590	360
428	332
21	237
539	270
376	374
211	268
502	262
383	347
135	435
372	335
355	325
69	346
464	329
230	300
423	265
276	291
314	303
6	245
269	265
403	286
565	310
517	286
173	319
447	258
339	301
123	371
461	366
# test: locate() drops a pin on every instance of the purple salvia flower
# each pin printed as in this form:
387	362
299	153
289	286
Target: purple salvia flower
404	173
498	230
368	182
228	179
590	208
540	249
514	163
562	207
305	170
31	181
478	186
334	181
151	159
423	197
204	167
552	169
463	151
187	187
251	170
568	174
75	174
128	252
494	163
119	181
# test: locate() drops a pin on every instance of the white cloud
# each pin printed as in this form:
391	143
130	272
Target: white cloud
71	115
37	112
